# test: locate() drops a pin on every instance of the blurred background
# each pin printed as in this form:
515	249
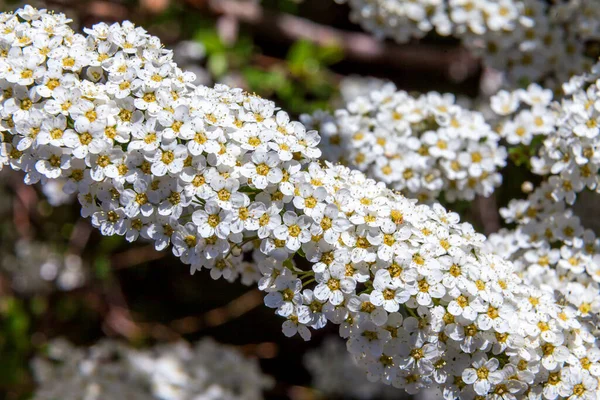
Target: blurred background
60	278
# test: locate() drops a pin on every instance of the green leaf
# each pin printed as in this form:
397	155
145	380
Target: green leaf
102	268
218	64
301	54
38	305
210	39
330	54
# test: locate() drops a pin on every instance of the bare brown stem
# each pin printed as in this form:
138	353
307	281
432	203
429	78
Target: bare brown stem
488	213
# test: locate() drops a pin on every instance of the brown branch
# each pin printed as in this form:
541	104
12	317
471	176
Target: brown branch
79	236
263	350
5	287
488	213
456	64
122	321
220	315
136	256
24	206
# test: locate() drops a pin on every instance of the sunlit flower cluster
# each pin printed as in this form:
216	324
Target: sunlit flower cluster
529	112
220	175
550	244
529	40
421	146
178	371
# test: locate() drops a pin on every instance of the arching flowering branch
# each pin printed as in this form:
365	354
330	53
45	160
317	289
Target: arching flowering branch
528	40
217	173
421	146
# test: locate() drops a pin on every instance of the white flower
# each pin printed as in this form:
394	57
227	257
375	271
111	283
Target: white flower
87	117
296	324
386	293
483	374
329	223
295	230
308	198
173	121
200	139
580	385
24	69
168	158
262	170
429	287
212	221
366	310
70	59
368	338
52	162
136	200
111	222
333	283
53	131
419	358
62	100
286	294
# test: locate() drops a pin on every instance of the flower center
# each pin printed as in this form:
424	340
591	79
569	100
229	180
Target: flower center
168	157
213	220
483	373
190	240
149	97
103	161
417	354
112	216
389	294
91	115
262	169
56	133
333	284
294	230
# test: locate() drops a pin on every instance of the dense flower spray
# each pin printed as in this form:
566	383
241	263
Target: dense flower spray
218	174
421	146
550	245
528	40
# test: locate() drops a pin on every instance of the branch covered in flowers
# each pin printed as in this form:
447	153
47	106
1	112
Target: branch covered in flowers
527	40
219	175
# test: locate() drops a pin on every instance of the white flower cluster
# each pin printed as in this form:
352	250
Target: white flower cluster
218	173
178	371
38	267
529	40
550	244
421	146
335	374
403	20
353	86
529	112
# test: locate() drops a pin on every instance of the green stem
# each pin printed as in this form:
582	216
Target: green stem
308	282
